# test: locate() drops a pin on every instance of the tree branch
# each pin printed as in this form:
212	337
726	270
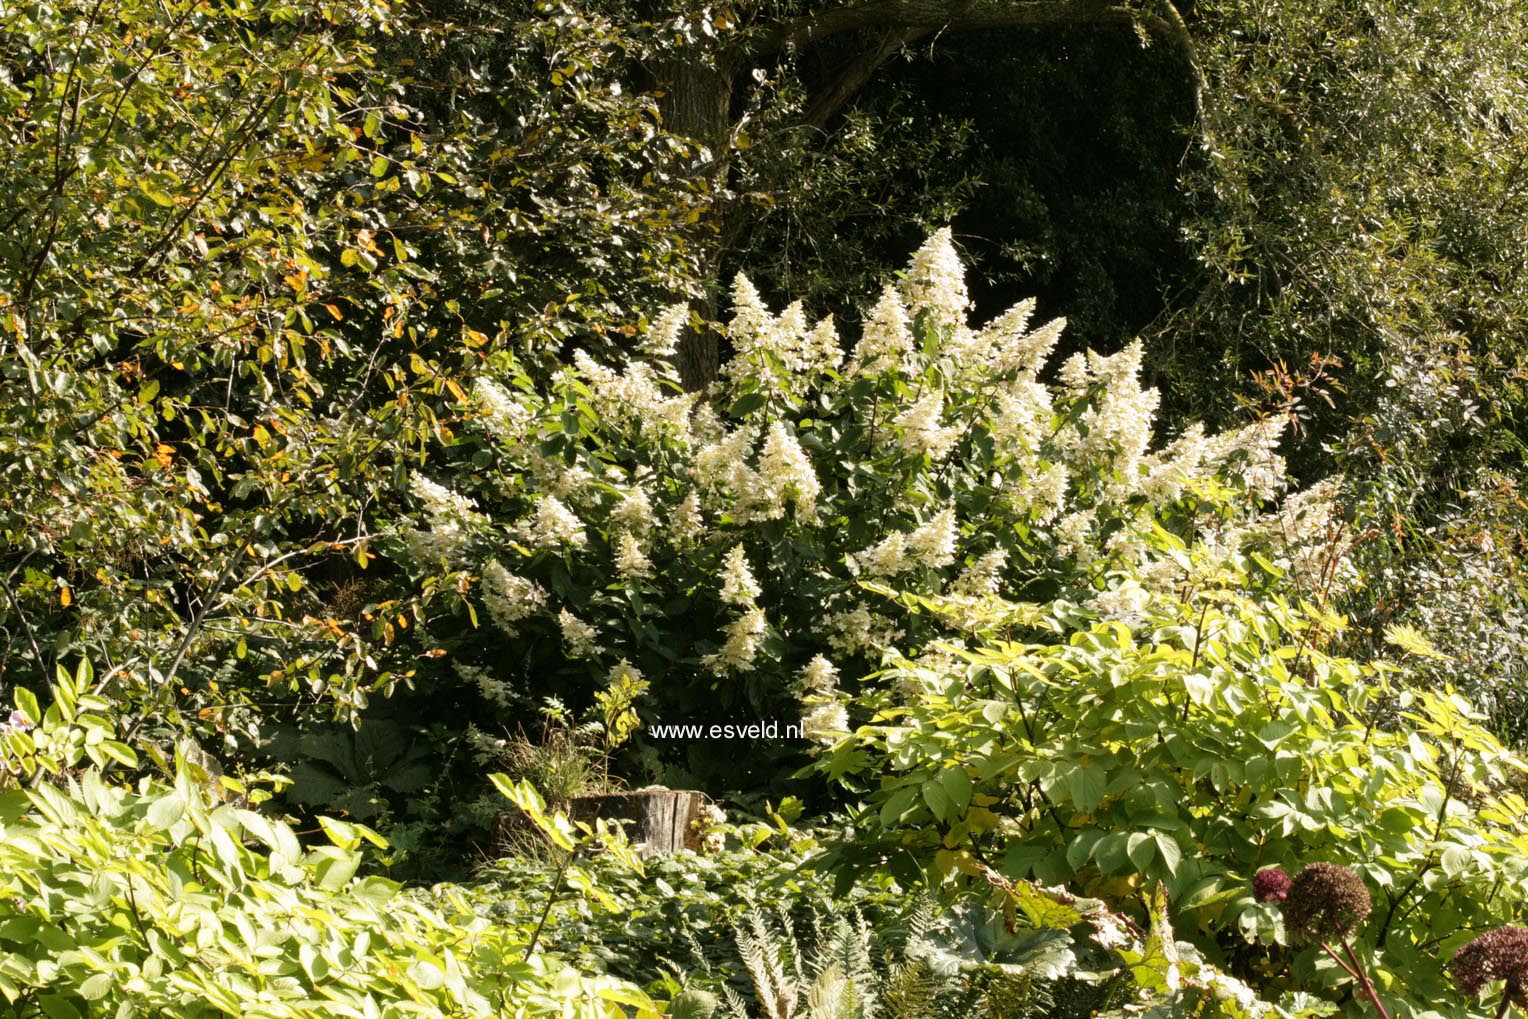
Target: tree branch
931	15
853	77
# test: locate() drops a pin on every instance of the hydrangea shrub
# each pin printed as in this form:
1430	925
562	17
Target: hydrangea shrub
719	544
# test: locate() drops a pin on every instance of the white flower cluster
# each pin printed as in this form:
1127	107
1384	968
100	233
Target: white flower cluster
859	630
634	511
662	340
936	282
785	476
738	585
1115	430
886	338
824	717
510	598
553	525
745	634
688	524
984	576
579	638
919	428
631	559
781	355
494	690
451	517
709	822
635	396
510	421
930	544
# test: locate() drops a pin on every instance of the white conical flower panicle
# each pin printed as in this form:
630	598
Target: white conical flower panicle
919	430
886	558
630	558
751	320
448	535
662	339
984	576
439	501
885	338
553	525
634	512
738	585
819	676
688	524
933	542
745	635
1251	453
787	472
509	421
825	722
509	598
577	636
820	350
714	463
936	282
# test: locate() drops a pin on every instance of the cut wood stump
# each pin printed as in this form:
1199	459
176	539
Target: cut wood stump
661	820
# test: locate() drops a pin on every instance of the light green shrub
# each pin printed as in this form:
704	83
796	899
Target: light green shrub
1208	740
173	899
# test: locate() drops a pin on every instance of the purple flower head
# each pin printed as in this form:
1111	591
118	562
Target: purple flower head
1501	954
1325	902
1270	884
18	721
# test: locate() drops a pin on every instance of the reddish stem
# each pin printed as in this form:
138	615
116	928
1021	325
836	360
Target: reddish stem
1341	962
1363	978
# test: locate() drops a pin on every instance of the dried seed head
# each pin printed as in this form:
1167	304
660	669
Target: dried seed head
1501	954
1325	902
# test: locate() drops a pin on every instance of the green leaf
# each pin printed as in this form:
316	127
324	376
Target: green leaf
1086	785
26	703
165	811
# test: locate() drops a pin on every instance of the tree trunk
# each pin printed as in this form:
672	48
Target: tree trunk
695	102
662	818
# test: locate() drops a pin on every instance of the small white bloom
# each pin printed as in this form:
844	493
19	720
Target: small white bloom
509	598
440	502
508	420
494	690
738	585
886	558
787	472
820	350
621	672
885	338
984	576
1125	600
859	629
662	339
936	282
578	635
819	676
920	430
933	542
688	525
630	559
634	512
744	637
553	525
825	722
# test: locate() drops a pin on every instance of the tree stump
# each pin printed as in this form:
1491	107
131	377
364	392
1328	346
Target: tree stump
660	818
